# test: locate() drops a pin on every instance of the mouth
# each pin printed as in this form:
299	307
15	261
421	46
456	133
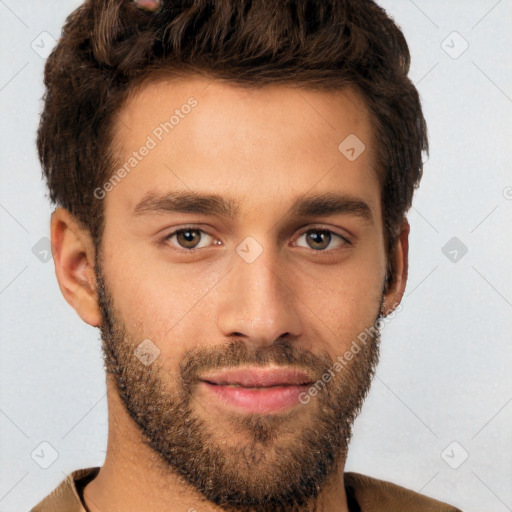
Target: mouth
249	387
254	377
257	390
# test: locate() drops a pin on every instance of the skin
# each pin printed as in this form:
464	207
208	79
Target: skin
301	302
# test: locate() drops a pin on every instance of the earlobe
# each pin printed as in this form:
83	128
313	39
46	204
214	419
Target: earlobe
399	266
73	253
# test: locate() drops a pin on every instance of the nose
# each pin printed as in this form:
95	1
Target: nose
257	301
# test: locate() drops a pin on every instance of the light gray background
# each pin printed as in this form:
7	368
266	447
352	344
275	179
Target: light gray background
445	373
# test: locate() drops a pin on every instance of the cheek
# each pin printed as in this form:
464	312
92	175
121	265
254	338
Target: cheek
339	301
161	302
354	283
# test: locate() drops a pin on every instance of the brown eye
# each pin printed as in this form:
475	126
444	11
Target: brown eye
320	239
189	238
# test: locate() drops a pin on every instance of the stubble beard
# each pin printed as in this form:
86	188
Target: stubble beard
283	461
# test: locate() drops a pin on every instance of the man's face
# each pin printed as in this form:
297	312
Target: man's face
269	286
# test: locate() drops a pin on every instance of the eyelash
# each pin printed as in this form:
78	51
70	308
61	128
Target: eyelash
166	240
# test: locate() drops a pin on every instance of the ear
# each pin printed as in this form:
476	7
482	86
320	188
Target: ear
398	266
74	256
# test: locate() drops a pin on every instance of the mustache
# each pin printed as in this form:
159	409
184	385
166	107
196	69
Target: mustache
234	354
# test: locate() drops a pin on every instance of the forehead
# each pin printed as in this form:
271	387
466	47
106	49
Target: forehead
274	104
270	141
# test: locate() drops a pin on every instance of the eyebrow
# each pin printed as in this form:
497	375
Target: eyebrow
326	204
187	202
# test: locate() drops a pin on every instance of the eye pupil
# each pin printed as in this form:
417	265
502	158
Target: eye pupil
318	236
188	234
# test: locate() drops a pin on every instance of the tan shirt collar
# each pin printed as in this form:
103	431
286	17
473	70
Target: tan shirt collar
371	495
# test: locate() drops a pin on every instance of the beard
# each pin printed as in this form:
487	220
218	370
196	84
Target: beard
282	462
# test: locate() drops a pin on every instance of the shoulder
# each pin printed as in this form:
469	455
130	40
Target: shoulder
374	495
65	498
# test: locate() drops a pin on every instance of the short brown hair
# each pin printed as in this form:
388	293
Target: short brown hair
109	48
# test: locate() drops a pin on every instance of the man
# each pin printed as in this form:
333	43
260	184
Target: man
232	180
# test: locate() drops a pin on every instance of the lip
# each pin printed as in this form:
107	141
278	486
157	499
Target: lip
255	400
254	377
257	390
